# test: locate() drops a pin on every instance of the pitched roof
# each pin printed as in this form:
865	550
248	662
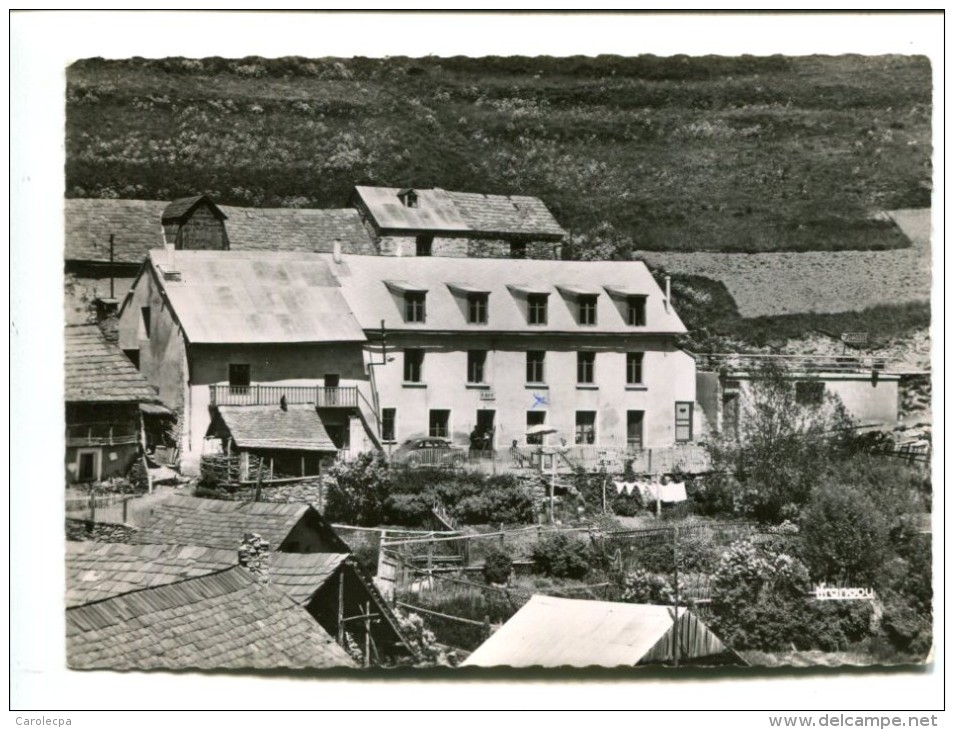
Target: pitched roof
97	371
137	227
296	229
95	571
269	427
299	575
367	283
558	632
223	620
444	210
218	523
181	207
255	297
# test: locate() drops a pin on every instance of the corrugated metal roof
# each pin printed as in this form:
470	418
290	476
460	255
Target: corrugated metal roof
269	427
137	228
256	297
223	620
456	212
299	575
218	523
97	371
95	571
364	284
561	632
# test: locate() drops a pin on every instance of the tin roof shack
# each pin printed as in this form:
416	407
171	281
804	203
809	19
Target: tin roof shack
436	222
586	348
107	240
103	396
865	386
223	620
565	632
249	329
288	527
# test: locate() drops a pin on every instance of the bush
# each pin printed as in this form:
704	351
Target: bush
358	491
641	586
844	536
907	629
561	556
497	566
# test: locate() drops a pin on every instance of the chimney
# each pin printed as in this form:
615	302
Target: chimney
336	251
171	255
253	555
668	292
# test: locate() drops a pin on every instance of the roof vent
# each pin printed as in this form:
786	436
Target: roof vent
408	197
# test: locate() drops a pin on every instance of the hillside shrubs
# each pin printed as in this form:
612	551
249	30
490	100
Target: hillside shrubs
497	566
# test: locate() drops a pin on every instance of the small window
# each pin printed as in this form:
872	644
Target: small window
636	311
414	306
424	244
477	308
476	362
536	371
439	424
587	308
634	368
810	392
240	377
146	322
388	420
585	366
413	366
536	418
518	250
537	308
683	421
586	427
87	466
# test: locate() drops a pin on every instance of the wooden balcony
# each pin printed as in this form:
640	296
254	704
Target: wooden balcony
271	395
100	434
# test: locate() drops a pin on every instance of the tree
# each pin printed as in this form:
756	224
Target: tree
359	490
783	448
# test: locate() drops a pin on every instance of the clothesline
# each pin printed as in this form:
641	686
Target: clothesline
651	491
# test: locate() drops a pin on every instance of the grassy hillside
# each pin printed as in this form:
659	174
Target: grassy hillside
718	154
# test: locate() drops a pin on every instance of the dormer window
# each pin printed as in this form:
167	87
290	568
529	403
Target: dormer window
537	309
636	311
408	198
414	306
587	308
477	308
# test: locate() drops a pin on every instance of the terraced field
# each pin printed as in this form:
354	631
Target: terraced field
768	284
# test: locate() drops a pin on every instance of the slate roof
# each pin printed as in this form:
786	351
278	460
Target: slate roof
296	229
255	297
137	228
299	575
444	210
218	523
269	427
224	620
135	224
96	571
98	372
367	283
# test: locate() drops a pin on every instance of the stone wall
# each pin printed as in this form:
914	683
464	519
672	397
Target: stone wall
86	531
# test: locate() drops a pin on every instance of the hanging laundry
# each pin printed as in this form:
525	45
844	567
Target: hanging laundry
620	486
672	492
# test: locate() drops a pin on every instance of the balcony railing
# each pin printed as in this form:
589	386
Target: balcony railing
100	434
271	395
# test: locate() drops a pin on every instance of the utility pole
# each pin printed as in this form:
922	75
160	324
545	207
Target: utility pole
675	609
111	289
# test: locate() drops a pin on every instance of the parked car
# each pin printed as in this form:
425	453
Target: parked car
428	452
